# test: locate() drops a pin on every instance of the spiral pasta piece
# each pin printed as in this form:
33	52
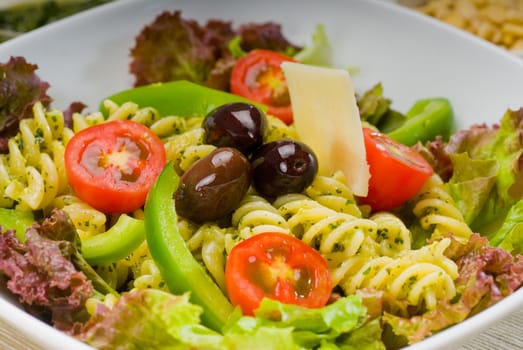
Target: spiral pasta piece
185	149
208	246
337	236
126	111
171	126
130	111
437	211
256	215
278	130
32	174
87	220
392	234
149	276
135	260
81	122
5	201
333	192
108	300
421	277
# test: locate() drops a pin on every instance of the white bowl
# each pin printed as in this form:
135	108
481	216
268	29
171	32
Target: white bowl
86	57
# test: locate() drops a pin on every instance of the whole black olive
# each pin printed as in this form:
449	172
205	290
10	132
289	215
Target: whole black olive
213	186
239	125
283	166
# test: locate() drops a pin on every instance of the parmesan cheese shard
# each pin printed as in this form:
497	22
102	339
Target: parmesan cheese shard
327	119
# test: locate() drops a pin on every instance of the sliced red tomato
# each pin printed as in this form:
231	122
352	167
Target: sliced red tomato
259	77
112	166
397	172
277	266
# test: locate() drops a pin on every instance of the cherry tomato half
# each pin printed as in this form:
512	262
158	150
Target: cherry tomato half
397	172
259	77
112	166
277	266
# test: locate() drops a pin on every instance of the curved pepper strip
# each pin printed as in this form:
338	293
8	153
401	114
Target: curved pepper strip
180	98
426	119
116	243
181	271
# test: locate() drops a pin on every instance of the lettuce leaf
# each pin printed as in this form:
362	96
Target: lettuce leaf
17	220
471	183
510	234
267	36
169	321
20	89
319	52
40	272
175	48
166	321
373	105
366	337
485	177
506	148
311	328
172	48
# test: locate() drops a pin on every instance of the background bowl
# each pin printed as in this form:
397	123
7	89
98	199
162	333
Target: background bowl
86	57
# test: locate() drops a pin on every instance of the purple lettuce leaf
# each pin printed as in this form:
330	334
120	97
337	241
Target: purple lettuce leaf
41	273
20	89
174	48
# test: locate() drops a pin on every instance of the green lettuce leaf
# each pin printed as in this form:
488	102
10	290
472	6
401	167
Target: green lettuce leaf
319	53
310	327
373	105
506	149
17	220
487	178
471	183
510	235
375	109
247	333
167	321
366	337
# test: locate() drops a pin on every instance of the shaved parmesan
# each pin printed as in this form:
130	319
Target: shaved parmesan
327	119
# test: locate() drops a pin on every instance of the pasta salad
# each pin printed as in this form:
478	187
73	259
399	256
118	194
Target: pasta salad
214	237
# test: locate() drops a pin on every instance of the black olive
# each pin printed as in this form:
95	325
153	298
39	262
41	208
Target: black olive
283	166
213	186
239	125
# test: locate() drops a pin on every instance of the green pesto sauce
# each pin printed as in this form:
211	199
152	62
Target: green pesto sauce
25	17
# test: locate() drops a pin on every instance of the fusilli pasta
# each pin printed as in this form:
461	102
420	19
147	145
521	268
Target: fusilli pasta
333	192
337	236
33	171
363	251
437	211
417	276
208	245
255	215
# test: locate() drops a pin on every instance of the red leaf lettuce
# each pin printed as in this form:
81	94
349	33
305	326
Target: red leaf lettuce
173	48
20	89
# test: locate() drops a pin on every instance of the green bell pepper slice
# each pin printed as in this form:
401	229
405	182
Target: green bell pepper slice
179	98
180	270
116	243
426	119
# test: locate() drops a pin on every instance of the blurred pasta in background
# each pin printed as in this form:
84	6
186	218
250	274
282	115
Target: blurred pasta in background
498	21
